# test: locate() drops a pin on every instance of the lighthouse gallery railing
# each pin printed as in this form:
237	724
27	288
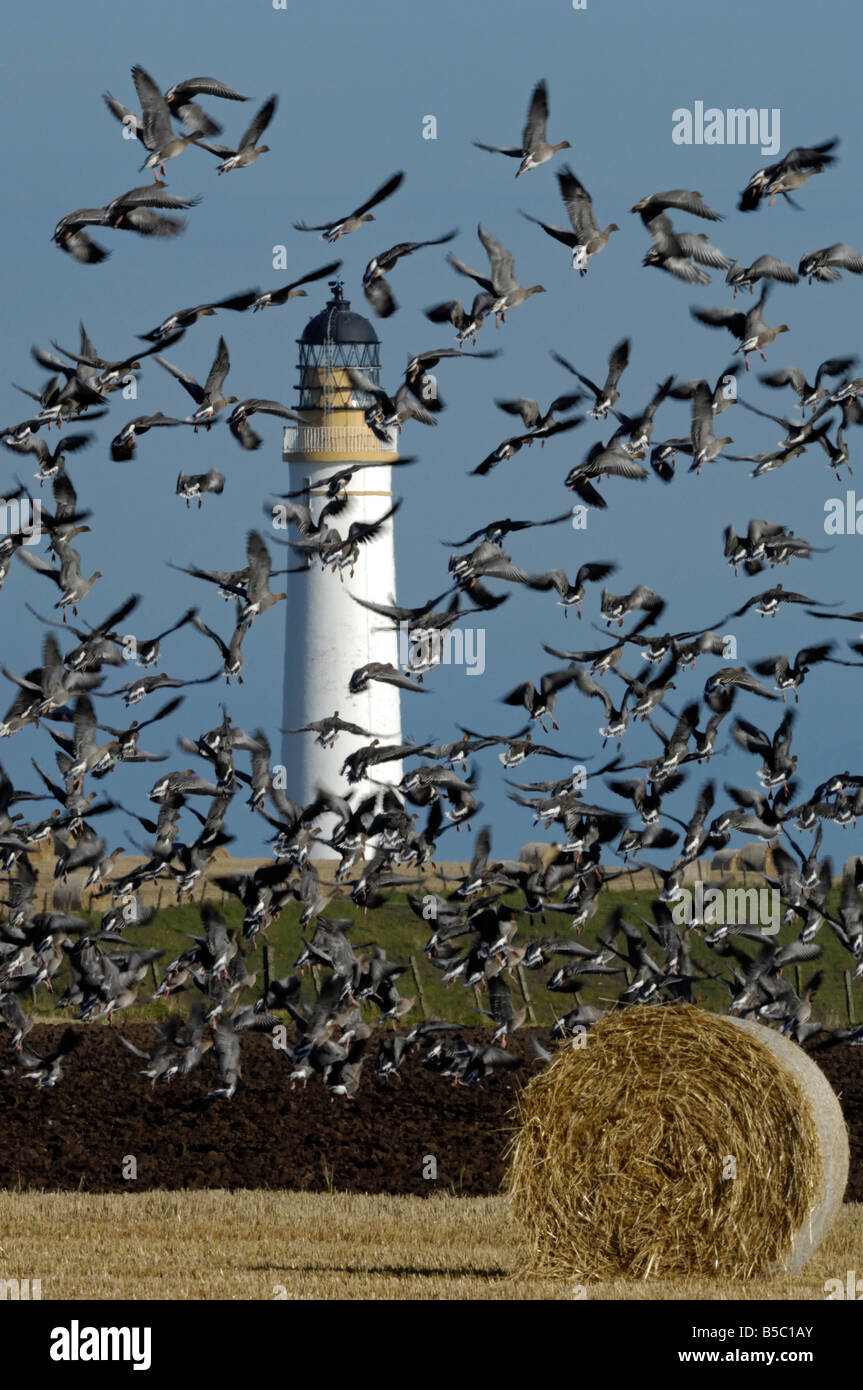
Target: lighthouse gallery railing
328	439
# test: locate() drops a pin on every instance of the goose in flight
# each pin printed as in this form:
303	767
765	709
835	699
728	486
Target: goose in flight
571	594
585	239
750	329
467	322
209	398
192	486
534	148
123	444
388	413
808	395
248	150
787	174
343	226
328	730
178	99
607	395
677	252
157	133
764	268
51	461
266	299
826	264
375	286
134	211
340	552
238	420
172	327
680	199
502	285
73	587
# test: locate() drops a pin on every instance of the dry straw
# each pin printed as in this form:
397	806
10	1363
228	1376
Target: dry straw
675	1142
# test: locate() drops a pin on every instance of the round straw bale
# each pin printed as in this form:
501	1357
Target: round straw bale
676	1142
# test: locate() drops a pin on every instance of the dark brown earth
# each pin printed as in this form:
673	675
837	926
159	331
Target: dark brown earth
75	1136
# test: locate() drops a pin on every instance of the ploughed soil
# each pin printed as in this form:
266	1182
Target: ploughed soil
79	1134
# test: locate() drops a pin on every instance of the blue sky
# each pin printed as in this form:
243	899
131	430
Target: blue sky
355	84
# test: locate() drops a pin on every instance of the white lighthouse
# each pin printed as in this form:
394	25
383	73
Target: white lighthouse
328	635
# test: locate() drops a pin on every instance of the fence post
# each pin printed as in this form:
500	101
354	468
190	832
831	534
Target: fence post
418	982
525	994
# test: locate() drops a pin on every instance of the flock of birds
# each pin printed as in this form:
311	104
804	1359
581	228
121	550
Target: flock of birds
481	931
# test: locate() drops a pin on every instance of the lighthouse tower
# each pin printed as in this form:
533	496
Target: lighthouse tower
328	635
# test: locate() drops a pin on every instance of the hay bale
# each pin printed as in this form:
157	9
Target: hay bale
623	1164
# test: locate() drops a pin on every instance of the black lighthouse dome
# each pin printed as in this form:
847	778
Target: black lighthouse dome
338	324
333	340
